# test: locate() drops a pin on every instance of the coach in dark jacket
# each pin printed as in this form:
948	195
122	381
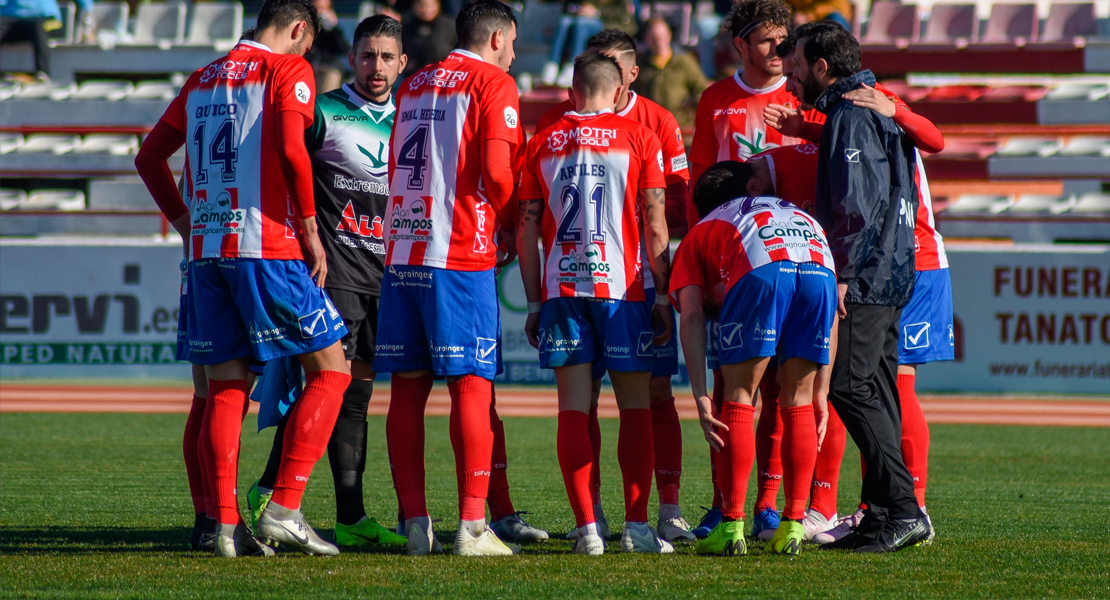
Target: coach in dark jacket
866	202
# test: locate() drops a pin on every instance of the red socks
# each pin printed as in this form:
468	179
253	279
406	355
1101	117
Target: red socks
472	439
714	456
915	437
222	426
576	463
799	457
595	465
404	429
636	455
734	463
189	448
768	443
827	472
500	504
311	421
667	433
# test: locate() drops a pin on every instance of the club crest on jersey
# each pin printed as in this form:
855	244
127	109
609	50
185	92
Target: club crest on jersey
749	147
806	148
360	225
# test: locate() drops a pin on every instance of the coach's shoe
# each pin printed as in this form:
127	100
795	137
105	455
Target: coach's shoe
708	523
588	541
896	535
483	543
257	499
366	531
289	527
816	523
235	540
765	523
845	525
602	525
788	537
515	529
198	530
672	527
726	539
928	541
640	537
207	541
422	538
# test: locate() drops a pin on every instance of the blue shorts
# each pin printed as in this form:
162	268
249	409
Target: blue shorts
781	306
256	308
712	344
440	320
183	329
666	356
616	334
926	326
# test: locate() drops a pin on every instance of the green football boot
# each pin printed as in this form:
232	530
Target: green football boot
367	531
788	537
256	502
726	539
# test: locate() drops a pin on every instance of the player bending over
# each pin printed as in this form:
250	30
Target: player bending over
251	292
348	144
583	177
456	132
767	264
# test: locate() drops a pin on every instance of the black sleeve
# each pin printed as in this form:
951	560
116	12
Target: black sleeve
859	183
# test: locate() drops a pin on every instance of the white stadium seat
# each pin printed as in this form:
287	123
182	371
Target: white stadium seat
1093	203
160	23
1086	145
979	203
212	22
153	90
1030	147
52	143
10	142
108	143
108	17
1041	204
103	90
46	91
66	200
10	199
9	88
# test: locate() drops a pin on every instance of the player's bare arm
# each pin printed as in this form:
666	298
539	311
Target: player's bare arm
692	335
528	232
656	240
821	386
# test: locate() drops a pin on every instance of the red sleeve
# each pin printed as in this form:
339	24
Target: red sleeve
499	117
696	170
686	266
295	88
921	130
651	169
674	149
153	166
497	175
296	166
530	187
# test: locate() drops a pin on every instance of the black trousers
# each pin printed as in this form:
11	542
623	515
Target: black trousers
28	30
864	393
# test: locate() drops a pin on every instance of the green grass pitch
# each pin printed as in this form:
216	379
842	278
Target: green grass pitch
96	506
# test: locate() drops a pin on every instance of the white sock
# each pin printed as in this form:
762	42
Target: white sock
474	528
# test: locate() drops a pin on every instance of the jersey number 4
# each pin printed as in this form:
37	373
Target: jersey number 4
572	208
413	156
222	151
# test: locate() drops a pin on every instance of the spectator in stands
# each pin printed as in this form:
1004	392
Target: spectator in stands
31	20
578	25
839	11
329	50
670	76
427	35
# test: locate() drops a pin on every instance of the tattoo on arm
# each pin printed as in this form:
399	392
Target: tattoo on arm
530	211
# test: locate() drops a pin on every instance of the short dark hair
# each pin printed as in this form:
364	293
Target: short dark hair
478	19
746	15
611	39
596	73
378	26
280	14
831	41
786	46
724	181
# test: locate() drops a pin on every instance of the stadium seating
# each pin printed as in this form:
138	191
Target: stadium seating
1067	21
10	199
160	23
62	200
108	17
892	23
1011	23
215	22
951	24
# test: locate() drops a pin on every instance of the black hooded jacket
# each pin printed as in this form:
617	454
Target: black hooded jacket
866	197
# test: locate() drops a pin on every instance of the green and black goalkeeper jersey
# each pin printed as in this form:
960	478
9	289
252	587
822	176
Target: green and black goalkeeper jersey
349	146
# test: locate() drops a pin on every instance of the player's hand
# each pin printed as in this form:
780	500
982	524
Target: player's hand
788	121
821	411
506	248
841	290
869	97
709	424
664	324
532	329
314	255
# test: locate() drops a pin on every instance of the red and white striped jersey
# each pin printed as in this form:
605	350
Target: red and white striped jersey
237	198
589	170
742	235
729	123
649	114
794	173
929	253
438	214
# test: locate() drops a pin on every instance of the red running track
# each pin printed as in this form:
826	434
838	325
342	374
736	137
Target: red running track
541	402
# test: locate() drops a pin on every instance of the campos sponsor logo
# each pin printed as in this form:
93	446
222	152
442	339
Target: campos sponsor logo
357	118
583	136
485	350
358	185
228	69
589	261
729	336
793	228
440	78
416	218
646	344
219	214
301	91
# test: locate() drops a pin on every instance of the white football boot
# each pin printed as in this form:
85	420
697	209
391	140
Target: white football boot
640	537
816	523
843	526
288	527
422	538
587	541
483	543
671	526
